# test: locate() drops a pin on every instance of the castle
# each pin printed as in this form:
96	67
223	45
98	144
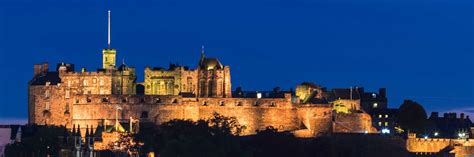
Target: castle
111	94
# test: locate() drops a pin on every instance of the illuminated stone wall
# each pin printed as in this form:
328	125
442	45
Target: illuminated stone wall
92	110
170	82
353	123
459	147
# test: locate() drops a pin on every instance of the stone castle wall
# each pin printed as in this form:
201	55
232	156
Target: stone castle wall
255	114
458	147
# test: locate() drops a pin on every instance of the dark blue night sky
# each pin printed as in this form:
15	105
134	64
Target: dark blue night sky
417	49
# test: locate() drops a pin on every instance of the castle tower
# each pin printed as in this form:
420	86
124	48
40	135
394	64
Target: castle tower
108	54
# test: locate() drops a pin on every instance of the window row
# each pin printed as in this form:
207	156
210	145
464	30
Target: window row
222	103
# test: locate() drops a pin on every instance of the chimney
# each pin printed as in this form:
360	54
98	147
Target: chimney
434	115
45	68
37	69
360	90
383	92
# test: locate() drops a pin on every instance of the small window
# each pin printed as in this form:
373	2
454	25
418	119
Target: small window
272	104
386	123
238	103
175	101
142	100
69	83
101	82
47	94
89	100
386	116
66	108
222	103
144	114
255	103
124	100
46	106
85	83
204	103
94	80
105	100
380	116
67	95
157	100
380	123
376	105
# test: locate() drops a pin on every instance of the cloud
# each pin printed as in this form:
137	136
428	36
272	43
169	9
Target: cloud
8	121
468	111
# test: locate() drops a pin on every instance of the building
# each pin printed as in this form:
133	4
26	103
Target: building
384	120
373	100
450	126
5	138
88	98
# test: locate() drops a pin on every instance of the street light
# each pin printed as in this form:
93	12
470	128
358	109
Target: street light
385	131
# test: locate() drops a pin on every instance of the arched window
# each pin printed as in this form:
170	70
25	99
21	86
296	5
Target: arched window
202	86
222	103
144	114
169	88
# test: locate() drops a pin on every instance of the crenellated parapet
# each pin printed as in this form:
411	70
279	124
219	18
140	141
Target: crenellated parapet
435	145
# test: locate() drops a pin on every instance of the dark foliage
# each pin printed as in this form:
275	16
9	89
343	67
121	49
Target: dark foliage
412	117
37	141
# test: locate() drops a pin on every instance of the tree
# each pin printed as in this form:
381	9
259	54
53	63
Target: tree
217	136
412	117
270	142
38	141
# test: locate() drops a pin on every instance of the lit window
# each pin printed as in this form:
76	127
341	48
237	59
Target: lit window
375	105
67	94
85	82
46	106
69	83
94	81
386	123
386	116
259	95
380	116
101	82
380	123
47	94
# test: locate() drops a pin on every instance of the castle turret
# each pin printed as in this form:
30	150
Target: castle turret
108	54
